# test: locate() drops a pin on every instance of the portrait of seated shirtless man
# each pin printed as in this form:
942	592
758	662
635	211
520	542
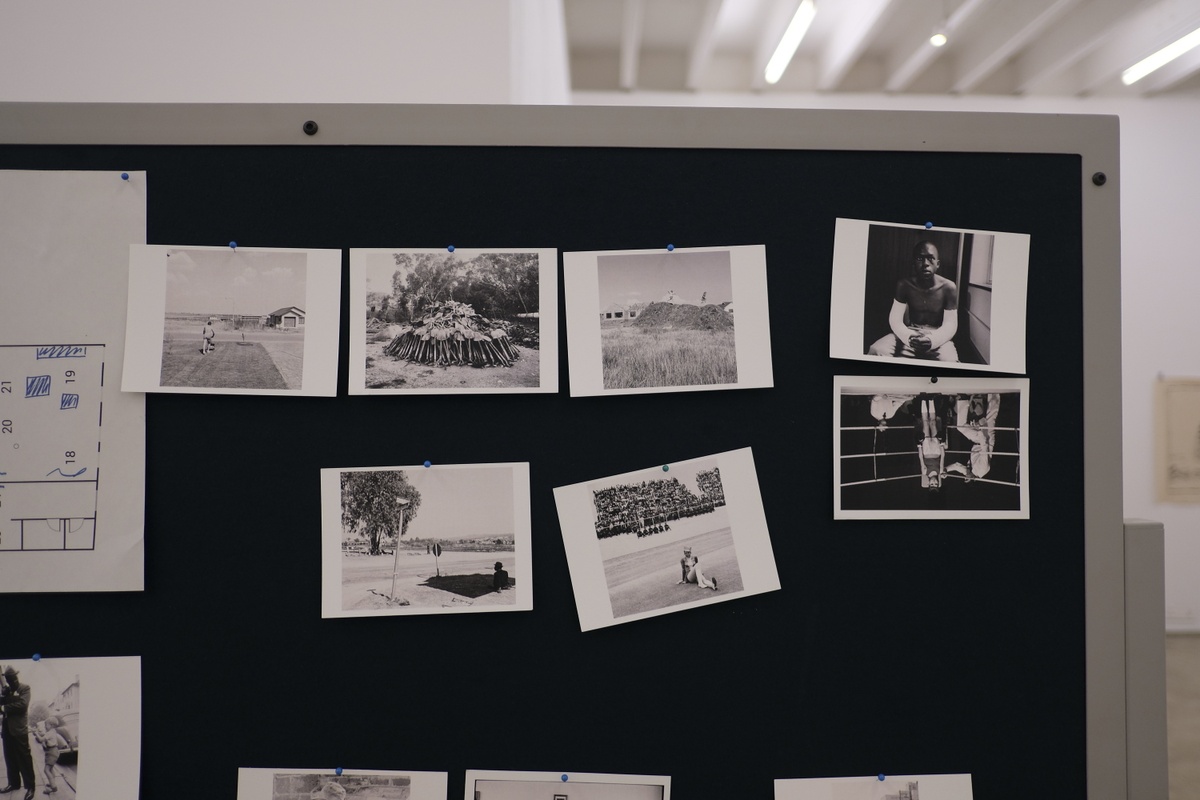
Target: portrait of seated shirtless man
924	314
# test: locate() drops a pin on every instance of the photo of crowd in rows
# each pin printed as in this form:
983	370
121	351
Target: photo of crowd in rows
666	538
906	447
664	525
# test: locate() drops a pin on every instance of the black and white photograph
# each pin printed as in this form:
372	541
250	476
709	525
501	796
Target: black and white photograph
939	296
667	320
233	320
667	538
912	448
71	727
876	787
453	320
502	785
447	538
345	784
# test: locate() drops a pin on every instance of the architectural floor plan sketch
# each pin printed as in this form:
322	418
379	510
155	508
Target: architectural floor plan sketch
51	410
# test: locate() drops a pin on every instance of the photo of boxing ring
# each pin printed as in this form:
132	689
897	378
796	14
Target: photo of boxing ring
908	447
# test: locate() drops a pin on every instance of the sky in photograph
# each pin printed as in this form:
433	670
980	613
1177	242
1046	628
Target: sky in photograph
380	266
230	281
647	277
467	501
44	679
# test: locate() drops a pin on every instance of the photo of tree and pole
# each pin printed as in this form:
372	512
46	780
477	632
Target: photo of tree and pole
428	538
666	319
437	319
234	319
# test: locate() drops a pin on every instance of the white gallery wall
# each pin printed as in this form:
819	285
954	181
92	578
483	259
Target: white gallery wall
514	51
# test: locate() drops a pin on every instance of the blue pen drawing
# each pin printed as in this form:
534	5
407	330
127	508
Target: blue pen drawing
69	401
66	474
61	351
37	386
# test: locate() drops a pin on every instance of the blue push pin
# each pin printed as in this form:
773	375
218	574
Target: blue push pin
670	248
428	464
37	656
564	778
124	176
450	248
882	776
928	225
666	467
233	245
337	771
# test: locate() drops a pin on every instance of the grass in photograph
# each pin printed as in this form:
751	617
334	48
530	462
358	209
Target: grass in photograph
231	365
648	357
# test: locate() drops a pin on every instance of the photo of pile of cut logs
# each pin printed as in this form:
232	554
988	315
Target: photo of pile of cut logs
451	333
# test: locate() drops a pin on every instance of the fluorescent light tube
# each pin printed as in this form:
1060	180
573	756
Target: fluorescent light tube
790	41
1160	59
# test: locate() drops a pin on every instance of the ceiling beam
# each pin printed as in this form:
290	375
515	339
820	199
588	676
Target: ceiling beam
925	53
702	46
1067	42
849	41
1009	28
631	42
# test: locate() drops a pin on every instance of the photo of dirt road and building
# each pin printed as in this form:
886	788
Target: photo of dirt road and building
234	323
462	545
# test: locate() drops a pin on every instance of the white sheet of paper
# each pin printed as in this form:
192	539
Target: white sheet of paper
598	284
996	317
514	785
469	517
536	370
255	783
98	702
892	787
174	291
888	485
62	333
625	577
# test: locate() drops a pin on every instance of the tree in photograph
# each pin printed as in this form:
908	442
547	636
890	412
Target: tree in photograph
370	504
421	279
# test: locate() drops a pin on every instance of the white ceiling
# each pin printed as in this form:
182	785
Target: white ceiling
996	47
